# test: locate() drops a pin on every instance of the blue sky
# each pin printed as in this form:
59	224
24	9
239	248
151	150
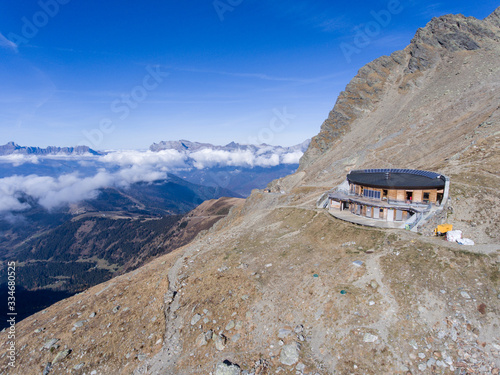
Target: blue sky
122	75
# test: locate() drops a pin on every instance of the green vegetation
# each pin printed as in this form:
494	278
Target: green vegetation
69	256
70	276
116	241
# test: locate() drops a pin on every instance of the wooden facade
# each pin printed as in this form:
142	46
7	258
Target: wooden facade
379	208
411	196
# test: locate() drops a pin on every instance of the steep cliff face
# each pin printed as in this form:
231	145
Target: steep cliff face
282	287
446	42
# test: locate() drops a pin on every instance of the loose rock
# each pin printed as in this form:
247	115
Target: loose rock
49	343
220	342
201	340
227	368
465	294
368	337
284	332
79	324
61	355
47	368
195	319
289	354
79	366
208	335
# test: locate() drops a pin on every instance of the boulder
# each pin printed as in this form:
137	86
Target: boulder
201	340
289	354
220	342
227	368
368	337
61	355
195	319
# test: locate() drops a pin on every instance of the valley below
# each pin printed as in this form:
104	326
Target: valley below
93	247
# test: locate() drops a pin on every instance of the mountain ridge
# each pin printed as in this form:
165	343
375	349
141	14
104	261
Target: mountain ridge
442	34
13	148
185	145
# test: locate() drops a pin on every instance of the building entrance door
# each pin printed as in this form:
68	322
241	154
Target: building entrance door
390	215
399	215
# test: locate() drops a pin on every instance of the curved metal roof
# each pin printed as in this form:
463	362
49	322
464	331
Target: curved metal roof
397	179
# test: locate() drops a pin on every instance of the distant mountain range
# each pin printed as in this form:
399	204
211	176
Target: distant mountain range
13	148
237	167
180	145
240	179
184	145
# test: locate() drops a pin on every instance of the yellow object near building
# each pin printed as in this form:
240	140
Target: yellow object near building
442	229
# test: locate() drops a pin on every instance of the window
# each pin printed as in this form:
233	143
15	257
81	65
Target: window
426	196
373	194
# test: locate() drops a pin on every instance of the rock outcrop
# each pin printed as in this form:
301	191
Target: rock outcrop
445	36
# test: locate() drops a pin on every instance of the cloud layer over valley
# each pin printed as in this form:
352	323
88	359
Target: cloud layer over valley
56	180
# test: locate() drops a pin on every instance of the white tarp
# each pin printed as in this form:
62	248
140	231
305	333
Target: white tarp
453	235
465	241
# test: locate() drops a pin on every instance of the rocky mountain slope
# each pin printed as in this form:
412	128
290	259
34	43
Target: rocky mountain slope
280	286
170	196
90	249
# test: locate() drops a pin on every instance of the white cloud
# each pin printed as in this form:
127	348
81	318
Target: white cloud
51	192
169	160
137	173
18	159
292	157
10	203
120	169
266	156
208	158
211	158
165	158
6	43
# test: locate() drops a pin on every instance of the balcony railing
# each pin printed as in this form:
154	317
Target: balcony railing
395	202
409	202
